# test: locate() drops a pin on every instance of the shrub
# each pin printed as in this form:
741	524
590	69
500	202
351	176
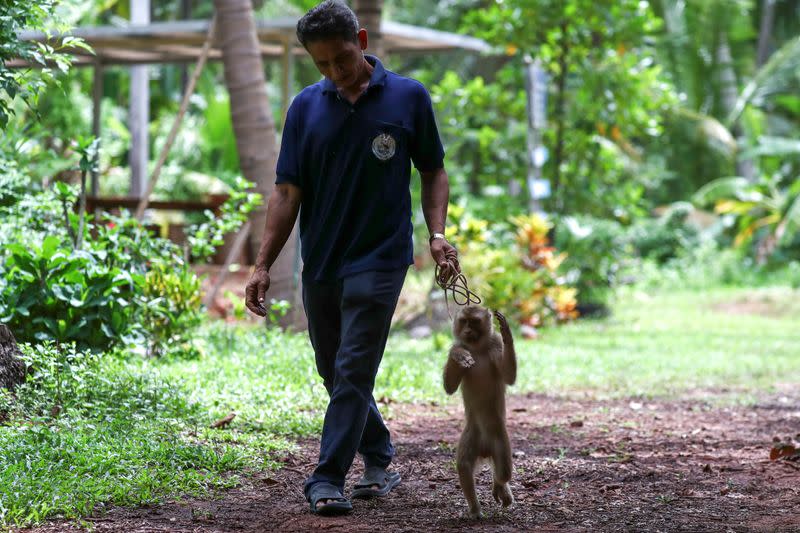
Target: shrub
595	249
663	238
101	283
51	292
513	268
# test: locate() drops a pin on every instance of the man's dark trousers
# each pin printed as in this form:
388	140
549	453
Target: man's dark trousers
348	322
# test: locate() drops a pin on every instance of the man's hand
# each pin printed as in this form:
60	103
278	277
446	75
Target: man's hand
256	291
446	256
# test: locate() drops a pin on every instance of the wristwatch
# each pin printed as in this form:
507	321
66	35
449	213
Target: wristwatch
436	236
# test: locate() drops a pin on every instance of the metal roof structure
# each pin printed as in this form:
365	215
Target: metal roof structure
182	41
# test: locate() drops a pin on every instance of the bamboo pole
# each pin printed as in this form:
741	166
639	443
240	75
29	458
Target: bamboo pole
187	94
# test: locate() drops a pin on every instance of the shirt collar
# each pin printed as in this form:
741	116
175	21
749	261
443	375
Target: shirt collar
378	76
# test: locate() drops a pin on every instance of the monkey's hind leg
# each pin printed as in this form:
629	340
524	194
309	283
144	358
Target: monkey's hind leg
466	461
502	468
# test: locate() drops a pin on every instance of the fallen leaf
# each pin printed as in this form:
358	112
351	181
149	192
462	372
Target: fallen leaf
786	450
222	422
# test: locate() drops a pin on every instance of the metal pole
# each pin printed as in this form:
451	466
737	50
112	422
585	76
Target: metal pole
139	109
97	107
536	88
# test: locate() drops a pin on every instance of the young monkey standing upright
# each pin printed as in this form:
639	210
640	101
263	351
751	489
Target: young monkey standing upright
483	362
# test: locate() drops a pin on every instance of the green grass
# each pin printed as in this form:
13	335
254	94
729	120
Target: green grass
657	344
135	431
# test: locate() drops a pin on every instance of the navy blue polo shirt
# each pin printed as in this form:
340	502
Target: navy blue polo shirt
353	164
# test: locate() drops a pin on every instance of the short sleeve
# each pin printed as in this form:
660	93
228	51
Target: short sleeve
288	170
427	152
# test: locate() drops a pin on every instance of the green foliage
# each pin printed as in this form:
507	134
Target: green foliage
485	131
522	280
206	237
87	431
172	310
99	296
664	238
766	213
55	292
15	16
607	95
777	76
596	249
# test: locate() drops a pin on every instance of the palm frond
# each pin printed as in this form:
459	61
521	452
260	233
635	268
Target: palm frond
781	73
773	146
731	187
790	223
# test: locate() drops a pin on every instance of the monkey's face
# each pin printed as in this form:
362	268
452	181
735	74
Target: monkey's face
472	324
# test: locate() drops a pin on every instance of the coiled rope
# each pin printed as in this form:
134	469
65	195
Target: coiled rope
450	279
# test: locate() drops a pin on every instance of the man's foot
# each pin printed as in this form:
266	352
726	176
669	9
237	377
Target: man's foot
376	481
326	499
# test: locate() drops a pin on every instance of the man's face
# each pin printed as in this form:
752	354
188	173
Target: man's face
339	60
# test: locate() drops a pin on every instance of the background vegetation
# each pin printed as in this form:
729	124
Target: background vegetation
674	222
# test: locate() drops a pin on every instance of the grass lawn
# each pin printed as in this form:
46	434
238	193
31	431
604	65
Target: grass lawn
130	450
664	343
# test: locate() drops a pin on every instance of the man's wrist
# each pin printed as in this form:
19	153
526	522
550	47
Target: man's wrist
435	236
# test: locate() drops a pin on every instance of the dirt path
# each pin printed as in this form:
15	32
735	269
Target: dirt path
581	465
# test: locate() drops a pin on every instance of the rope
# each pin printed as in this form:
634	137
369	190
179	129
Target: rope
450	279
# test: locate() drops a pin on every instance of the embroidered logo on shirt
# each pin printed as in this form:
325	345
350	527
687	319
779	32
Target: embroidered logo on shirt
383	146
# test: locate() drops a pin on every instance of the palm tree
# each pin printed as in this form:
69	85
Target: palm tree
253	124
369	13
12	369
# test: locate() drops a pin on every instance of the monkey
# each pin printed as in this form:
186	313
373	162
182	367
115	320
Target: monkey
483	362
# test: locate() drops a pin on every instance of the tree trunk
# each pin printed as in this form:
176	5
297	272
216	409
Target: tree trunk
253	124
369	13
12	369
765	31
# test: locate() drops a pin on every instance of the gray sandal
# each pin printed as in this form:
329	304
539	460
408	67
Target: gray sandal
337	503
375	475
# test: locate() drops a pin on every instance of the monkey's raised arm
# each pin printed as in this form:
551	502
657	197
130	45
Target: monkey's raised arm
508	366
458	360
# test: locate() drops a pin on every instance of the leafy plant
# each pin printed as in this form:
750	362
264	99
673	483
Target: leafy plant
513	268
53	292
595	251
173	307
766	213
663	238
15	16
124	286
206	237
607	97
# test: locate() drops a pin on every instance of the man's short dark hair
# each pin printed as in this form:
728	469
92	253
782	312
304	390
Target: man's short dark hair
331	19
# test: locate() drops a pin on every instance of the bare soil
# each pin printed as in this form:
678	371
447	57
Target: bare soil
581	464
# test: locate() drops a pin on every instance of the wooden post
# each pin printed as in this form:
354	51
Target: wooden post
139	109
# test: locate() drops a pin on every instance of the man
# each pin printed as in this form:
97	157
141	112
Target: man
345	165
